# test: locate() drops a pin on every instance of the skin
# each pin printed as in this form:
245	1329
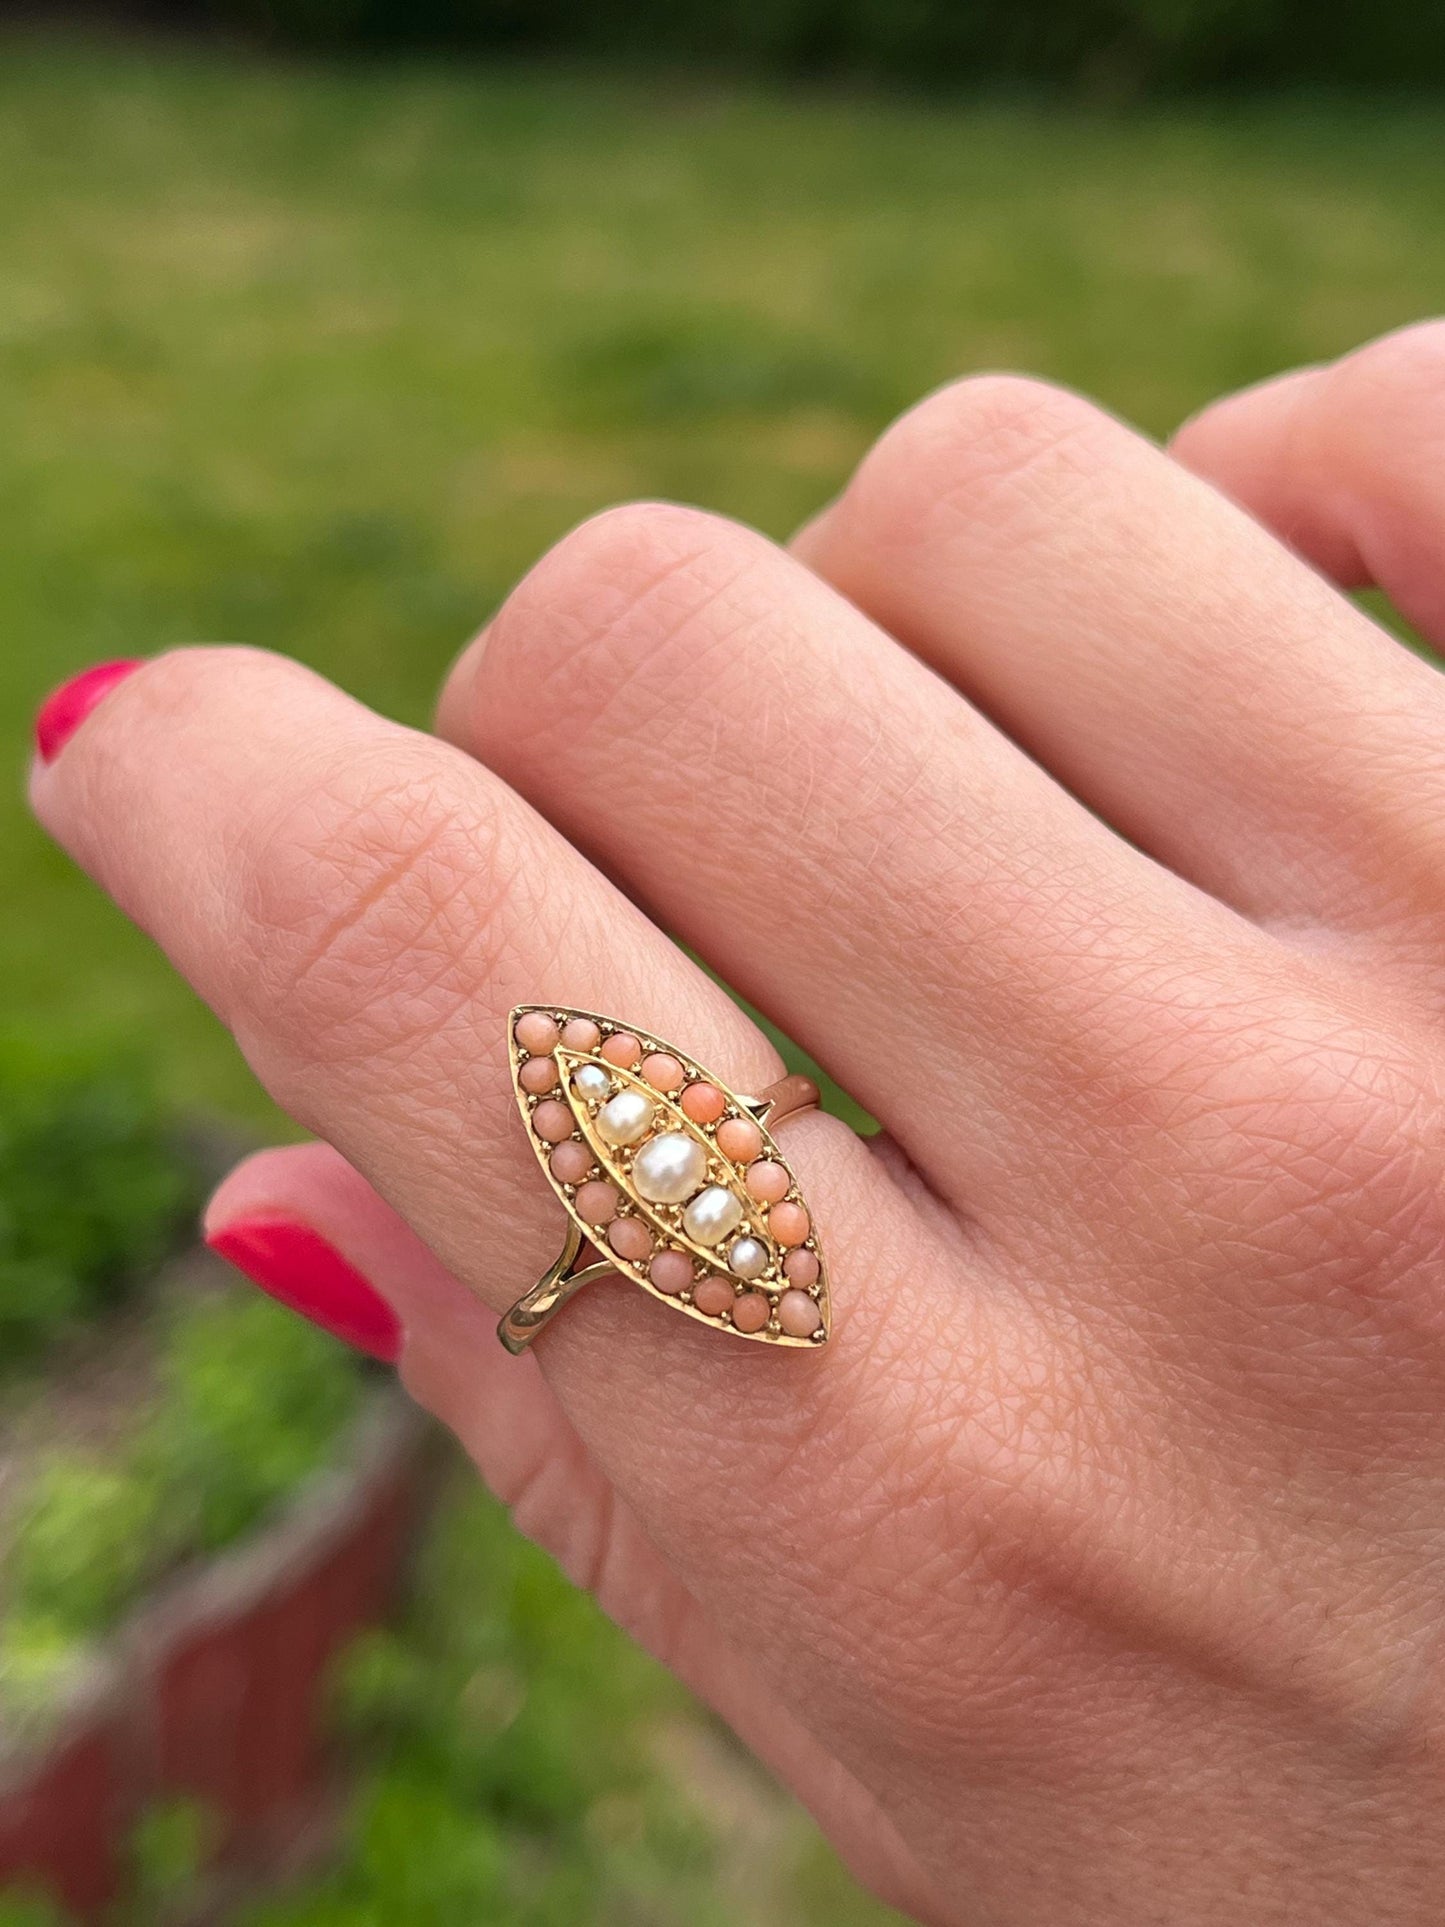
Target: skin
1093	1574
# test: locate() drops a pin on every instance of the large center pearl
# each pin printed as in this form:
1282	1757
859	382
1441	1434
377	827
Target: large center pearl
712	1214
625	1118
670	1168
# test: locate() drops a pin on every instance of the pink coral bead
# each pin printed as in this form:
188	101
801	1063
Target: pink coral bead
662	1071
552	1120
630	1239
622	1048
789	1223
801	1267
538	1074
580	1033
798	1314
740	1139
597	1202
570	1162
536	1031
671	1272
766	1181
751	1312
713	1295
703	1103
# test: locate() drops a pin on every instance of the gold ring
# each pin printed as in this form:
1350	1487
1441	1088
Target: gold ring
675	1181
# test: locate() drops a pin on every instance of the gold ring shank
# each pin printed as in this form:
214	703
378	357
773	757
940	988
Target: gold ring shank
559	1283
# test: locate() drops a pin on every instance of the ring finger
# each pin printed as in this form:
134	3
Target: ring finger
362	905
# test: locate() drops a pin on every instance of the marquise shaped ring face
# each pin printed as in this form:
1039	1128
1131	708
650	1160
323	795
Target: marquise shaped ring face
674	1179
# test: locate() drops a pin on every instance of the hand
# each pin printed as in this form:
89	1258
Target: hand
1092	1575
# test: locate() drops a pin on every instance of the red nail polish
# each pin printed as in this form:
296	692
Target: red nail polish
302	1270
66	708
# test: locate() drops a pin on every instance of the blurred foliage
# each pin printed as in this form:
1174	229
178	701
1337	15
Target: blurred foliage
1108	46
82	1551
322	358
169	1851
512	1775
95	1187
251	1401
24	1910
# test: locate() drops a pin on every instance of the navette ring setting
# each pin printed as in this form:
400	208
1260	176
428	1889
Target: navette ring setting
673	1180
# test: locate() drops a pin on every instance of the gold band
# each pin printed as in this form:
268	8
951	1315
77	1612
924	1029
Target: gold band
559	1283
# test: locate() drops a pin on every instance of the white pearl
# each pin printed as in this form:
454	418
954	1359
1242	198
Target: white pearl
670	1168
590	1081
748	1258
625	1118
712	1214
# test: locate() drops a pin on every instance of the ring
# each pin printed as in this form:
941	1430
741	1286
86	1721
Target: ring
675	1181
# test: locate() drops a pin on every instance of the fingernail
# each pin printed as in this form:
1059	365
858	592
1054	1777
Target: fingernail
66	708
302	1270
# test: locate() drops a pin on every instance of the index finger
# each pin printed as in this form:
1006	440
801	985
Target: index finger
363	905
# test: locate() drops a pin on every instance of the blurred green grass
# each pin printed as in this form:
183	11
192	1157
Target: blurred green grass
321	358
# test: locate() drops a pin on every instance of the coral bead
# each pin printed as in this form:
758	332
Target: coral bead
536	1031
703	1103
553	1120
798	1314
789	1223
740	1139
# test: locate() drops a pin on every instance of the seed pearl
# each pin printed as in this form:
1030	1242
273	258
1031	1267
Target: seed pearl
748	1258
624	1119
712	1214
591	1082
669	1168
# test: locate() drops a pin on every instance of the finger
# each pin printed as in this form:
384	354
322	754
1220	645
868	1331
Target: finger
512	1425
1172	664
1346	463
854	848
363	905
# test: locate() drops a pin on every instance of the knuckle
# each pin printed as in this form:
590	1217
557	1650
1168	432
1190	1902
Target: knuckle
371	906
989	436
1403	370
634	592
1319	1143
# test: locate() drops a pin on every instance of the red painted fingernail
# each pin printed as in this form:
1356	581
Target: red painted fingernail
303	1271
66	708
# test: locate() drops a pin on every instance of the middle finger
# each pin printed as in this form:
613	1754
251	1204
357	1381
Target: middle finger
863	855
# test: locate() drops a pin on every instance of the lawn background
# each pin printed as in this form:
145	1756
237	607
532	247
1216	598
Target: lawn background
320	358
